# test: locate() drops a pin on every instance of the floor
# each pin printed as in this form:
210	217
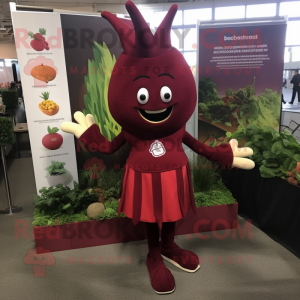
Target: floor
232	268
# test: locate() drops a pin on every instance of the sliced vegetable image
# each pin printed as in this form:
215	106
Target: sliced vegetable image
47	106
52	140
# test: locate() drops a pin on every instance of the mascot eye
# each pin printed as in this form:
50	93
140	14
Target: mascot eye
143	96
165	94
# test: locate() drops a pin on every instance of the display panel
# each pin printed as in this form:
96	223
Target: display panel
239	78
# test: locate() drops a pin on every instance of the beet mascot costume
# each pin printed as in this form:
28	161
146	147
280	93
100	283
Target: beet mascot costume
152	95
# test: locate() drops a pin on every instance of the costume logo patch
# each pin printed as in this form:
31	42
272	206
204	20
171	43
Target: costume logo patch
157	149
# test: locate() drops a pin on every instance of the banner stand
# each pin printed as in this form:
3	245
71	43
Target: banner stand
41	56
11	209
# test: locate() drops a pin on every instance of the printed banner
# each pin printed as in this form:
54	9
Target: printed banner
41	57
240	78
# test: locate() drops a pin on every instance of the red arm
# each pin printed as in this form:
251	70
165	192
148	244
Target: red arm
221	154
96	141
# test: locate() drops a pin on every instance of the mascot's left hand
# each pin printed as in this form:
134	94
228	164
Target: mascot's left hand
238	156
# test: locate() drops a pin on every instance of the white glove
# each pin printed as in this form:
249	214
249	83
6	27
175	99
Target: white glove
238	156
84	122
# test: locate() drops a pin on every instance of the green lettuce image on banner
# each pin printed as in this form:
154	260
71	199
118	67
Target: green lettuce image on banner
96	82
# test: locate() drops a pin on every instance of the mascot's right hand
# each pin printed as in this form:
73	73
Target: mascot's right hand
84	122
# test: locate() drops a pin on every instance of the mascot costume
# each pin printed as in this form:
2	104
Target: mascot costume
152	95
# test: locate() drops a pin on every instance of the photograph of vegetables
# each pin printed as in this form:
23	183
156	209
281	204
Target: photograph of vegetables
237	109
96	83
276	153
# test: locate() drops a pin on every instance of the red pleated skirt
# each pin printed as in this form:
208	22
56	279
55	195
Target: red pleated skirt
156	197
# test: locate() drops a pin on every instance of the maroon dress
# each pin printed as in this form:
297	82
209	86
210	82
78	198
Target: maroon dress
157	184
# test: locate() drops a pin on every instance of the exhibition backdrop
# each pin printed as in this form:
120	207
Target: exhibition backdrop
65	66
240	69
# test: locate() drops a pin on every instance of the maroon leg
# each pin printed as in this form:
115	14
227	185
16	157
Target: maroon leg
161	278
153	240
168	235
171	252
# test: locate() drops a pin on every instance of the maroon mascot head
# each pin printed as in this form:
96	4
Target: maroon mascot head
152	92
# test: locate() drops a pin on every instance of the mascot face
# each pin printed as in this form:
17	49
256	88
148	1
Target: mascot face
152	97
152	92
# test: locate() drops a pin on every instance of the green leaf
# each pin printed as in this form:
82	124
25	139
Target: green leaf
297	157
287	152
270	163
277	148
289	163
258	144
42	31
67	206
293	145
269	155
239	135
53	130
251	130
267	172
257	137
258	157
283	169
